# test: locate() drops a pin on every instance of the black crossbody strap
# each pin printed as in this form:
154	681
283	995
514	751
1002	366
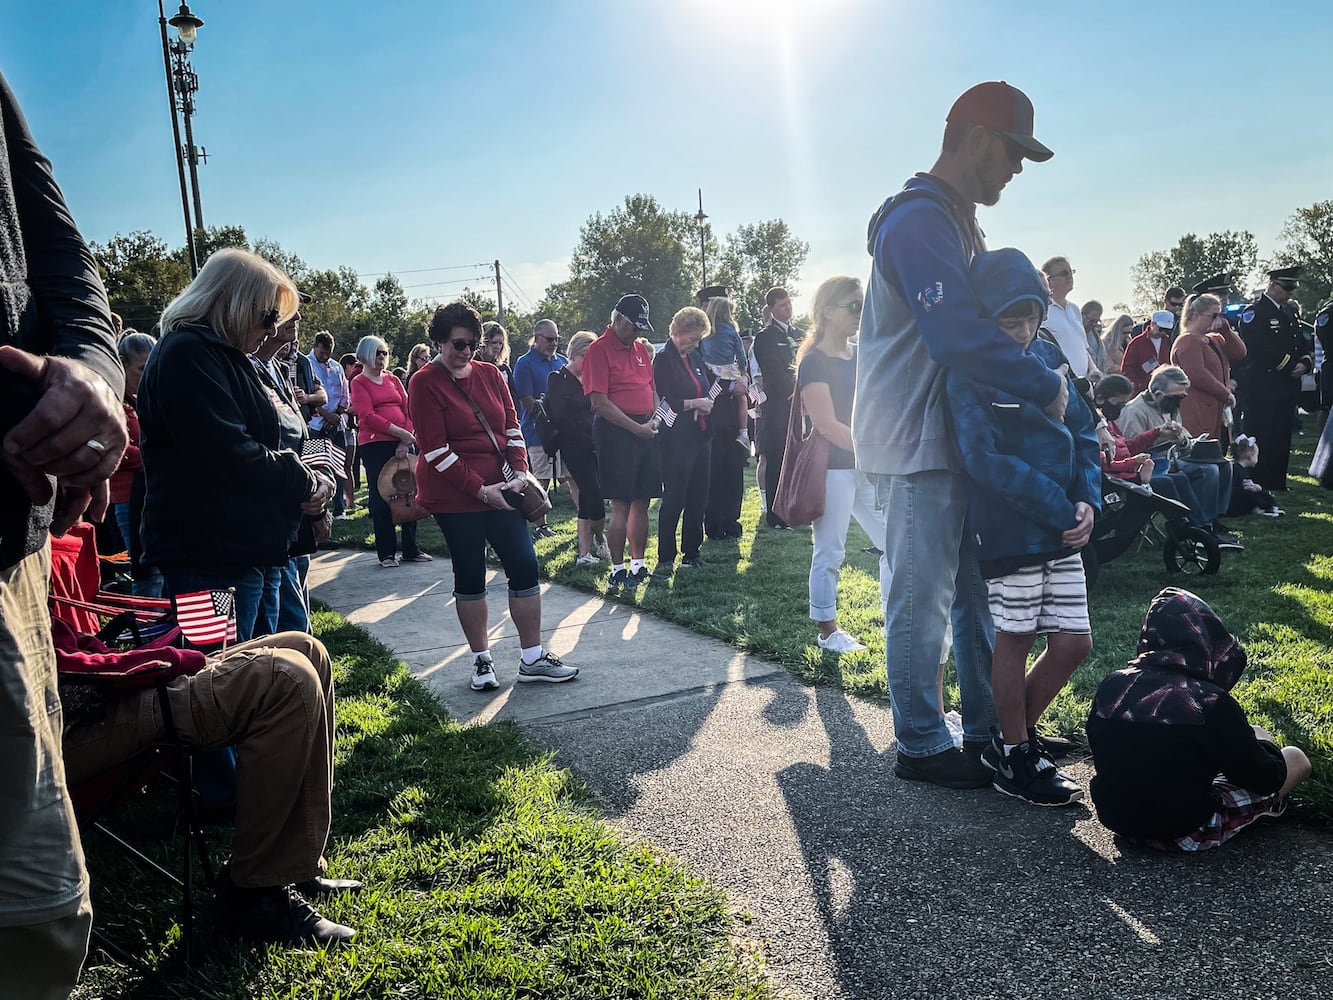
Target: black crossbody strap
505	468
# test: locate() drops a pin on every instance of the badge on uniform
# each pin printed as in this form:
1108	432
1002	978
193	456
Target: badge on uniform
931	296
1247	316
1322	320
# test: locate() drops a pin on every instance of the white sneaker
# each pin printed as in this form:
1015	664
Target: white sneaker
548	667
587	559
603	550
1269	512
483	675
840	642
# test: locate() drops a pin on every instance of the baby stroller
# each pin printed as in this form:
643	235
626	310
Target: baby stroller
1132	513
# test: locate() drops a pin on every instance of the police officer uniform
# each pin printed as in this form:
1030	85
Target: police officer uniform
1268	387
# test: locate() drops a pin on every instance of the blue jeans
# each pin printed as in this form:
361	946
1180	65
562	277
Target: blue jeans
151	585
933	577
285	604
1212	486
248	581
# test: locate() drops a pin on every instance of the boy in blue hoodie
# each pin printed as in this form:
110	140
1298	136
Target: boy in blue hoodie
1037	485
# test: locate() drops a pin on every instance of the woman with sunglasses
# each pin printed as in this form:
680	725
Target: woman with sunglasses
224	497
384	431
471	452
1205	350
826	379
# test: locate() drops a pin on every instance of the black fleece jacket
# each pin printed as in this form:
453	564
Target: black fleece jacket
51	303
222	492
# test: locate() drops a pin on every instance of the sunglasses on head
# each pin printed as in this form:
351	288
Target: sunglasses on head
463	345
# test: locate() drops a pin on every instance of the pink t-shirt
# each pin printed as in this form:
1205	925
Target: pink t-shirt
378	406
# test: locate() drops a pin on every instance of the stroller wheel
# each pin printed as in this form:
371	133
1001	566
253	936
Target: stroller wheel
1191	551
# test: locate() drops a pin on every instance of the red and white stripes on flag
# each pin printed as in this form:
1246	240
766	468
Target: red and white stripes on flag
207	617
322	455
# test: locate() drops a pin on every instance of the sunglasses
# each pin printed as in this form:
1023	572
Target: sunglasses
1064	274
852	307
381	354
1013	150
1174	303
463	345
549	340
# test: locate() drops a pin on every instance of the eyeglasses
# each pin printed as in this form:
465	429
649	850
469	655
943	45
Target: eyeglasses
381	354
1068	273
852	307
270	318
463	345
549	340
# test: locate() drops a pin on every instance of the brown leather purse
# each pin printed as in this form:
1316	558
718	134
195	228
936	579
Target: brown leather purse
803	482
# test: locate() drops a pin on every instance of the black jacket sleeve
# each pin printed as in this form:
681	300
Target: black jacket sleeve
775	365
1256	765
74	318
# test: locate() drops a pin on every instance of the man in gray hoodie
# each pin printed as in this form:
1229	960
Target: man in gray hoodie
921	320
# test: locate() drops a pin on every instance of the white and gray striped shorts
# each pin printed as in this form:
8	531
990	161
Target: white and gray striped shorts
1049	597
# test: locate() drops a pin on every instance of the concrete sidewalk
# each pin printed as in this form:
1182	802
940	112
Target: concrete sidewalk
862	885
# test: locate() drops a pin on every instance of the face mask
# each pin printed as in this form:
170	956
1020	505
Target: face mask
1111	411
1170	405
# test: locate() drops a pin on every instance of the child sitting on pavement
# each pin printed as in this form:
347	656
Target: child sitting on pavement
1179	767
1037	484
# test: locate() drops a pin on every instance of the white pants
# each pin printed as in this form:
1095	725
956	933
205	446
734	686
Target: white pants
847	494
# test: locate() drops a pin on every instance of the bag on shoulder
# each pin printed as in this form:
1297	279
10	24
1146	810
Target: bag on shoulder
803	482
547	431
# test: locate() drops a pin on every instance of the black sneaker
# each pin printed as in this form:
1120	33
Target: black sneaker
664	569
1228	543
640	576
1053	747
949	769
1026	774
691	562
619	578
278	915
544	531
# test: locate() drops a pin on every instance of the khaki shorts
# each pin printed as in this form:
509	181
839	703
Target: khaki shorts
540	464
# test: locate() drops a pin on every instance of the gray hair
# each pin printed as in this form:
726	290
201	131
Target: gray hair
1166	376
134	345
366	348
545	323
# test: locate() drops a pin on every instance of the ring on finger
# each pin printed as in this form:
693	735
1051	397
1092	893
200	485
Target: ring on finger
96	446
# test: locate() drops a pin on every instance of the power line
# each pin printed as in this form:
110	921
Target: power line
421	270
523	296
460	281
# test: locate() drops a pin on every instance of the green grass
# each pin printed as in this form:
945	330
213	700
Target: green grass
1277	595
487	875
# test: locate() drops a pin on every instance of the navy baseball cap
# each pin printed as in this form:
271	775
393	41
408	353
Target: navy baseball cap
635	309
1004	109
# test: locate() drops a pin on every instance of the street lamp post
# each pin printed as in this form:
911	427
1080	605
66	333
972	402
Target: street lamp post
182	83
701	221
192	257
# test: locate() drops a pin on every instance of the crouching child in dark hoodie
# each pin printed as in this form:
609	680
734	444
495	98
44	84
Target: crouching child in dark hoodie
1179	767
1037	484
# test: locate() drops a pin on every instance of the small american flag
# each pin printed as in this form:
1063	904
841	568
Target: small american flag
757	396
322	454
207	617
665	413
713	392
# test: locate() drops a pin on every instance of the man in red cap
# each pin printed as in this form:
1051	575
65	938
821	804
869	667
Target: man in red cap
921	320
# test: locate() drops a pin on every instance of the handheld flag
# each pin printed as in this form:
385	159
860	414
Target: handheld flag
207	617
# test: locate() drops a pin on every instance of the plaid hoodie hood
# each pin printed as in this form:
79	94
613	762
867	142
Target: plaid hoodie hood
1186	659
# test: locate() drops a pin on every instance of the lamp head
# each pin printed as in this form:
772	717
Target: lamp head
186	23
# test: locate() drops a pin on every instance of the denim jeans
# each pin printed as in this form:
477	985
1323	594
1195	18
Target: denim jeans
933	577
146	584
1176	486
285	605
1212	486
847	494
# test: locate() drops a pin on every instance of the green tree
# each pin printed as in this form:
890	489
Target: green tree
1192	260
290	263
141	274
338	304
637	247
207	241
1307	239
756	258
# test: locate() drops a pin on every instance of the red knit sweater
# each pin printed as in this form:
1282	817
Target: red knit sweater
378	406
456	456
130	463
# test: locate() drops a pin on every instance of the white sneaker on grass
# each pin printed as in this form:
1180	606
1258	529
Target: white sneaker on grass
548	668
483	675
603	550
840	642
587	559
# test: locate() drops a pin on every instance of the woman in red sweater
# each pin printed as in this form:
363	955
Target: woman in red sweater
464	482
384	431
1205	351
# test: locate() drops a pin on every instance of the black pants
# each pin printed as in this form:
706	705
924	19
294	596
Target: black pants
373	456
1270	422
775	447
726	487
685	463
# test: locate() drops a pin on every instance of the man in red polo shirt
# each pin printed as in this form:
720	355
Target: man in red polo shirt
618	377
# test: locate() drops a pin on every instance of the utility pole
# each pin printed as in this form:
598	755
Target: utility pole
701	221
191	255
499	295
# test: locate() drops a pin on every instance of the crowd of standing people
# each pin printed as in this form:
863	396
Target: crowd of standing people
958	405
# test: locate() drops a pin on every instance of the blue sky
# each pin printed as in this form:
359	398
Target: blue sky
408	135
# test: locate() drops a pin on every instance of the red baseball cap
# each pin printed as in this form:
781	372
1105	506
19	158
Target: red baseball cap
1005	109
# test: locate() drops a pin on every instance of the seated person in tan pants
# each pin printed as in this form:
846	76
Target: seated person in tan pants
273	699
